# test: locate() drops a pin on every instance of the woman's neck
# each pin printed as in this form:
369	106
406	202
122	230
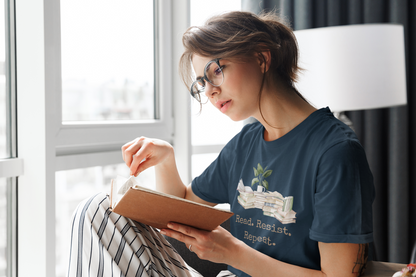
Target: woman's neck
281	111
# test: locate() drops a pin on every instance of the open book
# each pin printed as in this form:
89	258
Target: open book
156	209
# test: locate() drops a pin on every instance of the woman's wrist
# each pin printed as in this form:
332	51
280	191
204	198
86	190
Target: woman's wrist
167	175
238	254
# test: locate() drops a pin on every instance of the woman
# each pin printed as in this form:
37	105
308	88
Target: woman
297	180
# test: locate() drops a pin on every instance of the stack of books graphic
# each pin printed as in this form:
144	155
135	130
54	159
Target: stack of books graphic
246	198
260	200
281	210
273	203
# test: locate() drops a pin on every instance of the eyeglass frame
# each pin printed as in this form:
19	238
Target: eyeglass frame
205	77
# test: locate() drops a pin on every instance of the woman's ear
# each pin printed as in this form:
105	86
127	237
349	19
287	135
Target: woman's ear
264	59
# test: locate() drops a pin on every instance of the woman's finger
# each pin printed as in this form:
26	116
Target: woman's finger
143	153
131	149
143	158
124	147
179	236
135	165
136	161
139	165
184	229
185	233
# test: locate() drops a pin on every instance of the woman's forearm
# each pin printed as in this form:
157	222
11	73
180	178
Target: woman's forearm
258	264
337	259
167	177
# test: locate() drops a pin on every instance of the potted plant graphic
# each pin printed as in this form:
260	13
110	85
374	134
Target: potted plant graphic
260	177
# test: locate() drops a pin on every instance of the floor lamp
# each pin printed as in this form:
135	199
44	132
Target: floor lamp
353	67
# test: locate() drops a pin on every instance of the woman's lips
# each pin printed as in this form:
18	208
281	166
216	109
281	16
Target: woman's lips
222	105
225	105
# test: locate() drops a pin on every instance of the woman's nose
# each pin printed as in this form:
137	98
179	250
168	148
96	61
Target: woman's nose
211	90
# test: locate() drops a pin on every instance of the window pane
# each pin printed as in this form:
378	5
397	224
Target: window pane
107	60
211	126
73	186
3	227
3	98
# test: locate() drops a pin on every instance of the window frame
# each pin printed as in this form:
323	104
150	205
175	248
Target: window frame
46	145
83	140
11	167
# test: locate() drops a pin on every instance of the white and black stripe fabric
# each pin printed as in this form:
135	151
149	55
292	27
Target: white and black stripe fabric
106	244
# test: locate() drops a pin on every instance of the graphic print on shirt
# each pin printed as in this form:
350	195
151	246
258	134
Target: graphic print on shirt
273	203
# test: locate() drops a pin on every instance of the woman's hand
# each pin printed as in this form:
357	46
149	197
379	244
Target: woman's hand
216	246
143	153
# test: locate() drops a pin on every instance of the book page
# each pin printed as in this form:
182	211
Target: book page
119	187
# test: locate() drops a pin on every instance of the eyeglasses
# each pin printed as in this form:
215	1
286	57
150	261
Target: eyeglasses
213	74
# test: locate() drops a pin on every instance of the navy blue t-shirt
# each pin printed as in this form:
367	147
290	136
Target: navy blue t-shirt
313	184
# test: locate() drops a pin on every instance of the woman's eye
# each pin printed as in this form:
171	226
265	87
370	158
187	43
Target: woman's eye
218	70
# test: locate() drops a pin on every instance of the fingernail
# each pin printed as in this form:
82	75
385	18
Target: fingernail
163	232
170	225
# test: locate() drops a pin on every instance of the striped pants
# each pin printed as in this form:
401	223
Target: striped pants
106	244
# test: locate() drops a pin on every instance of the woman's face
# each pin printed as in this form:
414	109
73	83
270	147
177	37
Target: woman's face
237	97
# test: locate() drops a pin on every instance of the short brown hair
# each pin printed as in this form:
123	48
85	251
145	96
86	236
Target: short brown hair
240	34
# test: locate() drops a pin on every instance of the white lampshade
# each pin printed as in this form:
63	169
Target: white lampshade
353	67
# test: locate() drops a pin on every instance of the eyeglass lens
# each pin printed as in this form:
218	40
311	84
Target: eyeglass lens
214	76
198	89
214	73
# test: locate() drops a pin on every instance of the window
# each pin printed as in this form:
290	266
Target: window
7	227
107	70
81	96
3	105
10	166
3	118
62	137
3	227
112	92
113	71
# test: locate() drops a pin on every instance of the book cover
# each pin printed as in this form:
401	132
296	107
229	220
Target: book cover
157	209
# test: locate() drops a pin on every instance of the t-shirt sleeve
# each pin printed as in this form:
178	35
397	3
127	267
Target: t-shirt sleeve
344	194
212	184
